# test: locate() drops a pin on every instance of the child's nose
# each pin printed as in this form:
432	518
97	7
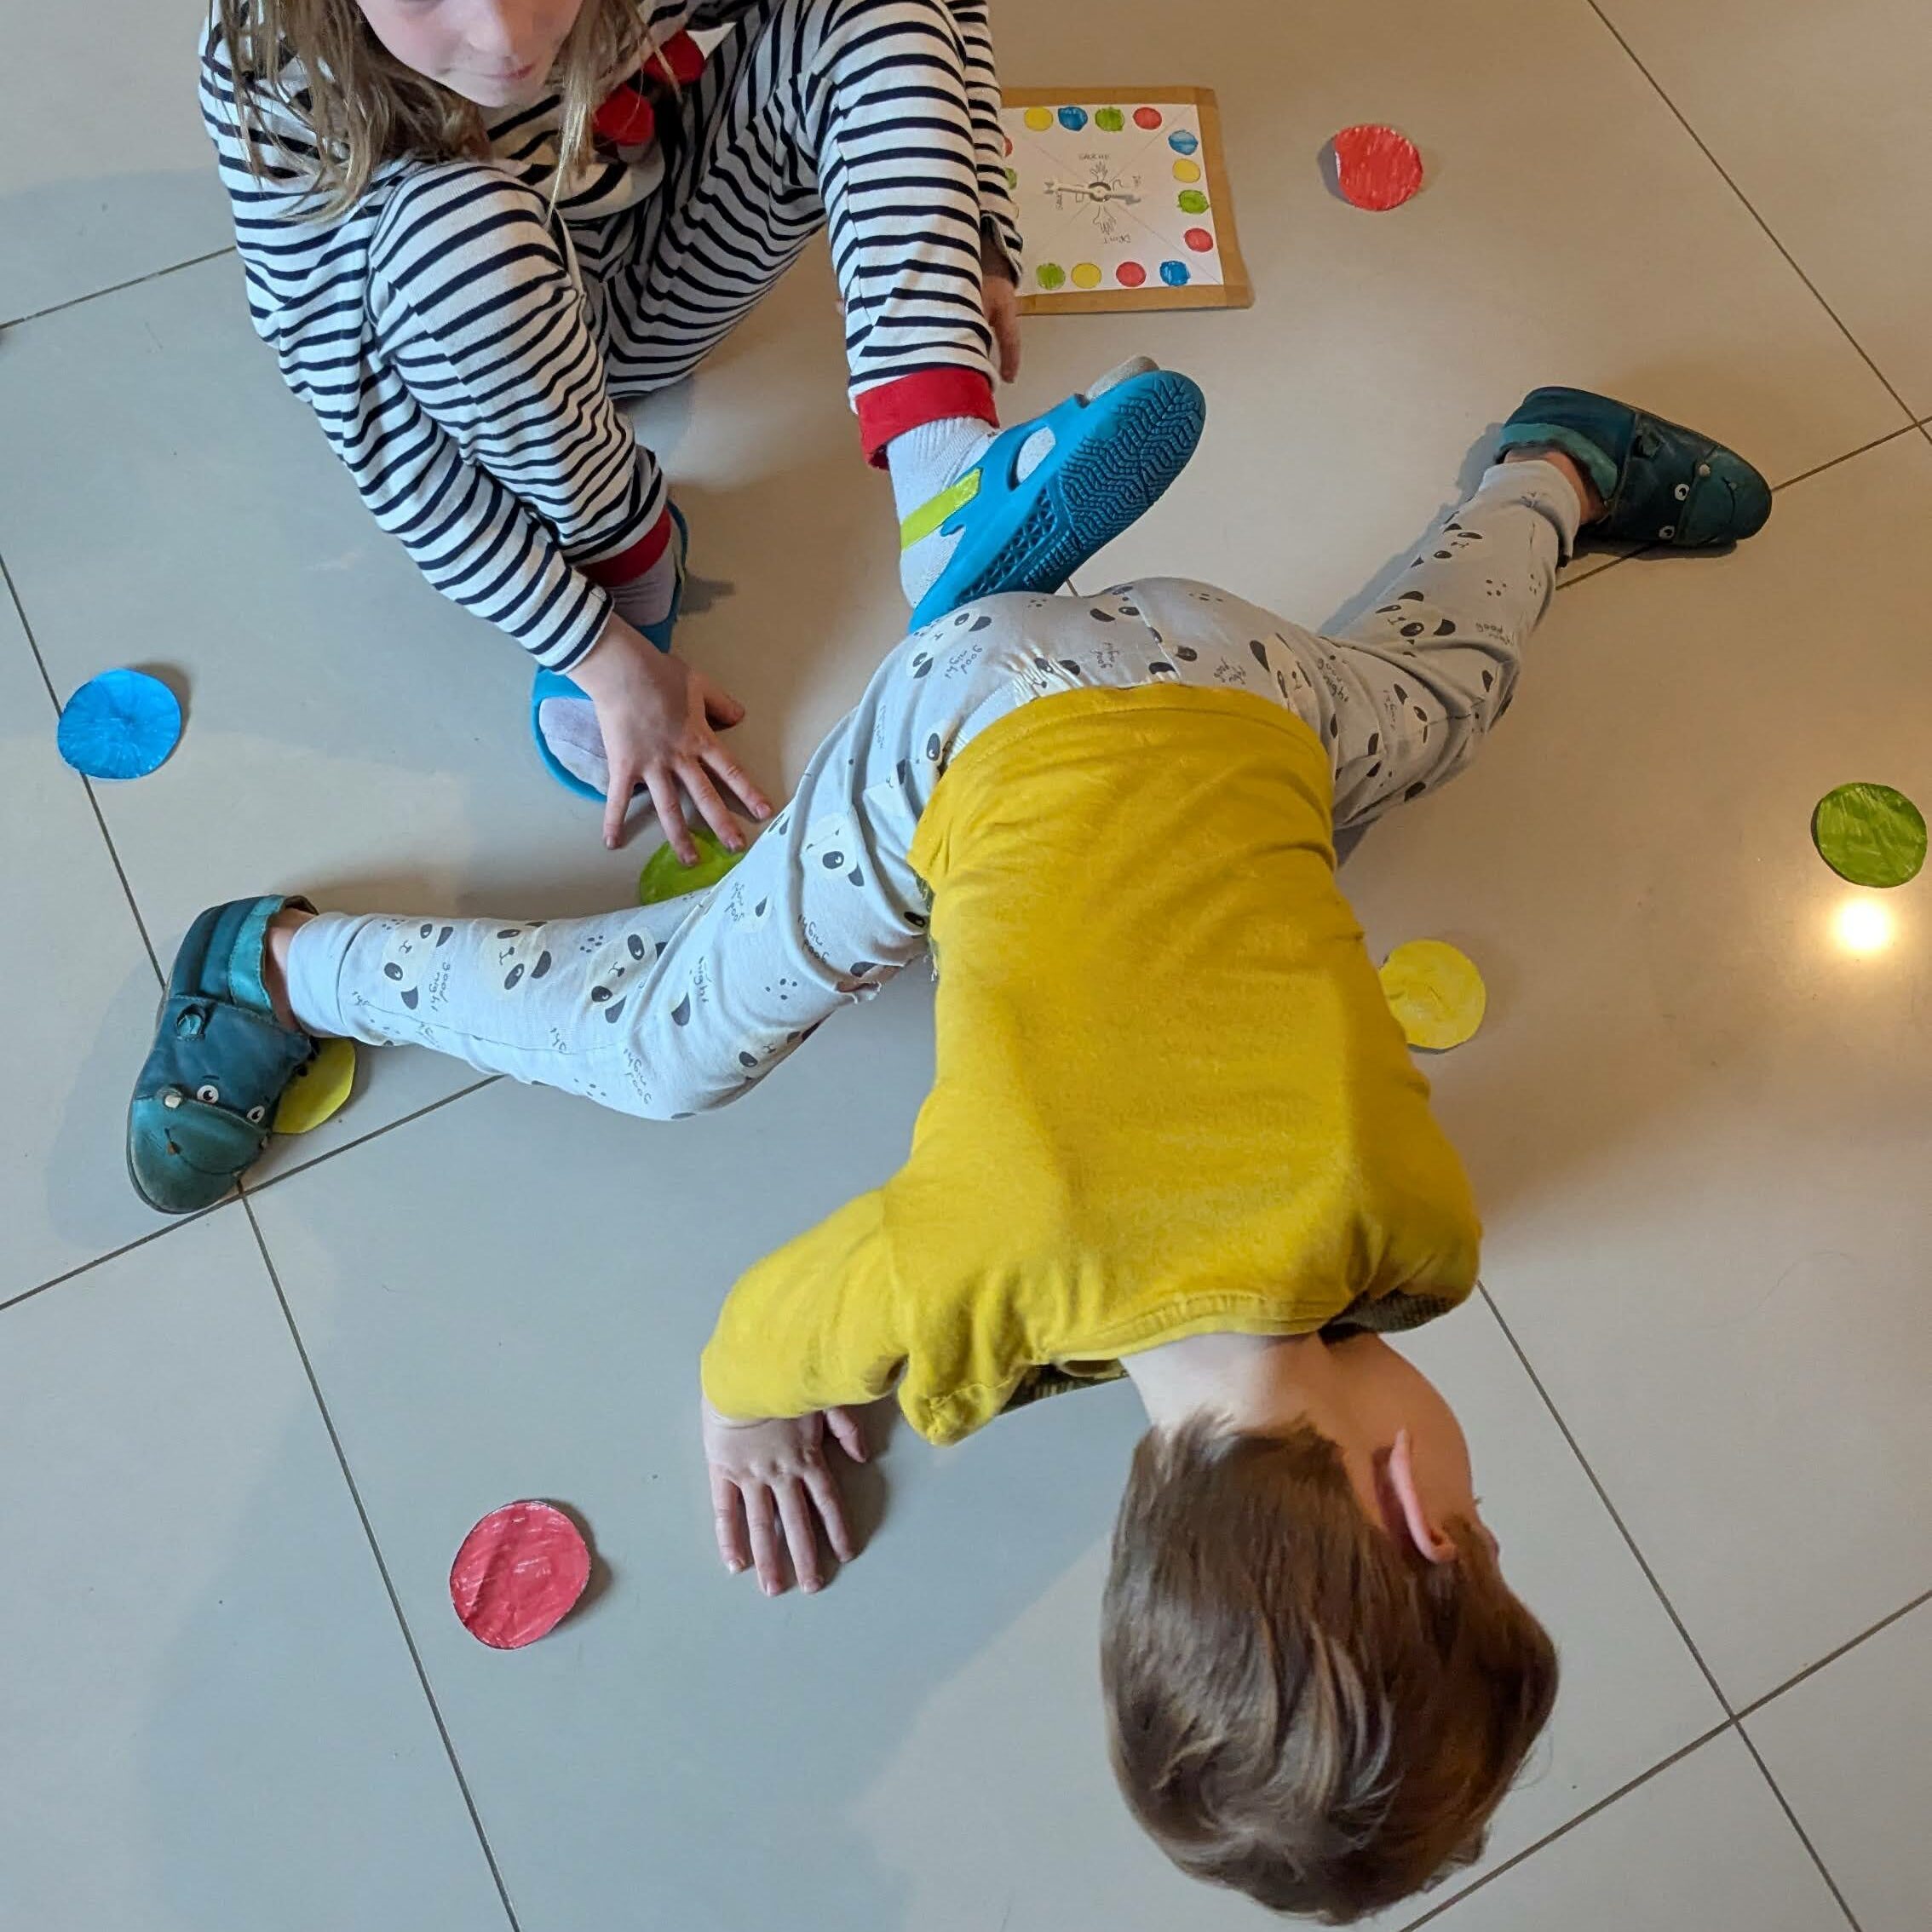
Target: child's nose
505	31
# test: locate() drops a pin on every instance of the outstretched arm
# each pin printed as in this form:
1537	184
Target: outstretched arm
804	1337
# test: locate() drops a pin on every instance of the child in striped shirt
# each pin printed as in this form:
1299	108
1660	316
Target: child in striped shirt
468	227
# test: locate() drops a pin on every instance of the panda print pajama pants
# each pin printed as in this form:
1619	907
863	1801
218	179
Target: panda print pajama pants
664	1010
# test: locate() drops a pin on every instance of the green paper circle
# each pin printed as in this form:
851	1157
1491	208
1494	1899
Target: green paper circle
1191	201
1050	275
665	876
1109	120
1869	834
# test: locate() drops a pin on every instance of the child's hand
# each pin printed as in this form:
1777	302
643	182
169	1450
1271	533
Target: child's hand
659	719
772	1476
1001	300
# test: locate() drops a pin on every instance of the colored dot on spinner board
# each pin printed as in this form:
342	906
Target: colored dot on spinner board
1037	118
1072	119
1186	170
1008	138
1182	142
1013	177
1174	273
1198	240
1191	201
1086	274
1147	117
1050	275
1129	274
1109	120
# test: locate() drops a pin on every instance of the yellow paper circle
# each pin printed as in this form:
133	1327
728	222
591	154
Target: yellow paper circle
1037	117
1186	170
1086	275
320	1086
1435	994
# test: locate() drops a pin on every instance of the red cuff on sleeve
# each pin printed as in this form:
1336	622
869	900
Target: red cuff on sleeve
931	396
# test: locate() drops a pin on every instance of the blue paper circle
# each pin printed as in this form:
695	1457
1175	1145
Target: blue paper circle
120	725
1074	119
1182	142
1174	273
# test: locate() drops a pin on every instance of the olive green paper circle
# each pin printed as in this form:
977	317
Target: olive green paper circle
665	876
1869	834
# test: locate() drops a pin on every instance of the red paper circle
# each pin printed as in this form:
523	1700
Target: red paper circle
1131	274
1147	117
1198	240
1376	166
518	1574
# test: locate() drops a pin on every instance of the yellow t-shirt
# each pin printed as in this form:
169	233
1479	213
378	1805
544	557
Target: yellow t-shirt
1170	1097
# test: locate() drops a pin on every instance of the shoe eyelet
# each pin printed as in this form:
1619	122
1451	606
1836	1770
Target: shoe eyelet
258	1114
1667	533
172	1098
1704	469
1682	491
209	1093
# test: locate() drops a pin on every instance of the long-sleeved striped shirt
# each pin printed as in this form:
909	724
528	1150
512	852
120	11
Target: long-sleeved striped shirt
437	472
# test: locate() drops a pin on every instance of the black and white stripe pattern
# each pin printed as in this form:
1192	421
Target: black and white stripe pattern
461	348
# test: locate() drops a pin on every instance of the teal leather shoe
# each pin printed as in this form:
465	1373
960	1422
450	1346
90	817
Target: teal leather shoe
219	1062
1661	482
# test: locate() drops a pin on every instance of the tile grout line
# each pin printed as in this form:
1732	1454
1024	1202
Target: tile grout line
259	1187
1744	201
381	1567
142	1240
1670	1611
1576	582
1603	1496
1570	1825
1831	1657
87	784
113	1254
115	288
1803	1835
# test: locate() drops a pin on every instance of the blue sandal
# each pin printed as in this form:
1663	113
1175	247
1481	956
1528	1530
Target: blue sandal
1113	454
219	1062
554	684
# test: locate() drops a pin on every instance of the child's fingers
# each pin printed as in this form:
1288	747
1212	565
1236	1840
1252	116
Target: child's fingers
847	1431
800	1537
728	1521
742	786
765	1554
721	708
711	809
624	776
824	1487
663	786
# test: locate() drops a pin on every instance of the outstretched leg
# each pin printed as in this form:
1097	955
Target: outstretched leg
665	1010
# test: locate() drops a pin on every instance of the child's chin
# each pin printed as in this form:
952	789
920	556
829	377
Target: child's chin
499	95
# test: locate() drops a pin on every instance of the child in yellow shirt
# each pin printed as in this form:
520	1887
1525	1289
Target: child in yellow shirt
1173	1130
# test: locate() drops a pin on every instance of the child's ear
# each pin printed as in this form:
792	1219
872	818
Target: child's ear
1423	1532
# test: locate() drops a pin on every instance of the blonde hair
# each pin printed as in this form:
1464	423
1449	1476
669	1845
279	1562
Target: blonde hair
320	64
1298	1707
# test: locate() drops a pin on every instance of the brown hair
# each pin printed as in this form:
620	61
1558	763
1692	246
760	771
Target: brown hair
1301	1708
319	63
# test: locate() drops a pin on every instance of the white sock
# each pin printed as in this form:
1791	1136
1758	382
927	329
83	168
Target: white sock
647	598
569	726
933	457
922	463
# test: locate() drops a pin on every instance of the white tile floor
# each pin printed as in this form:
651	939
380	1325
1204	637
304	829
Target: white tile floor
236	1454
